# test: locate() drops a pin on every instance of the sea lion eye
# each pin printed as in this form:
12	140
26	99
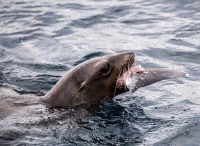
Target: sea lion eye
106	69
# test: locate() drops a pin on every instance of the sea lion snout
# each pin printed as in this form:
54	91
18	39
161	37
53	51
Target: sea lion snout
129	57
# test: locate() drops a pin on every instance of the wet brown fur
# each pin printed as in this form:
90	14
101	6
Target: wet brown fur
90	82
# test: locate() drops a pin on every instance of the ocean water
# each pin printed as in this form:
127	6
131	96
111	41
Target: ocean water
41	40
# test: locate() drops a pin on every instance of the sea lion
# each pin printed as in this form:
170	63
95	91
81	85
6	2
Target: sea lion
92	81
89	83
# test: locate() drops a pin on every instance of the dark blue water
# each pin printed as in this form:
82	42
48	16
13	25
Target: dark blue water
41	40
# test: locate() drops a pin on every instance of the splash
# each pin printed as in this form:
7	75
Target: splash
130	77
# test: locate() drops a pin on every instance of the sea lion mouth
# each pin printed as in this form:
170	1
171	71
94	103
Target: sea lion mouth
125	67
125	73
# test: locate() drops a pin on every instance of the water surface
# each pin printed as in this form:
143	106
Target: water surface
41	40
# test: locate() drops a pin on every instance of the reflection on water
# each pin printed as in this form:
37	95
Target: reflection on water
41	40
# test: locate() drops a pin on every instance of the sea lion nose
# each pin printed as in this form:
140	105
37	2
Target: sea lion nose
130	53
129	56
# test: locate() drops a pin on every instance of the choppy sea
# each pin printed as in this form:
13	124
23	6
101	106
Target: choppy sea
41	40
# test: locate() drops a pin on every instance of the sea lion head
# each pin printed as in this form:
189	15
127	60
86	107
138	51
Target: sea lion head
90	82
104	74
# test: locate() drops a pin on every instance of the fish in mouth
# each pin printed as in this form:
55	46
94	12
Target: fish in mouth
129	75
136	76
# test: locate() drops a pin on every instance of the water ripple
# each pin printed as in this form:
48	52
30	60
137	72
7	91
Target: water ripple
41	40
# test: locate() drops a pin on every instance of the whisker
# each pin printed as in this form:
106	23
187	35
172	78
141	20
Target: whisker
125	68
129	70
135	63
116	82
129	73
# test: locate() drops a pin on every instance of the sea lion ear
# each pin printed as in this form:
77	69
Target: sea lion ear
82	86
